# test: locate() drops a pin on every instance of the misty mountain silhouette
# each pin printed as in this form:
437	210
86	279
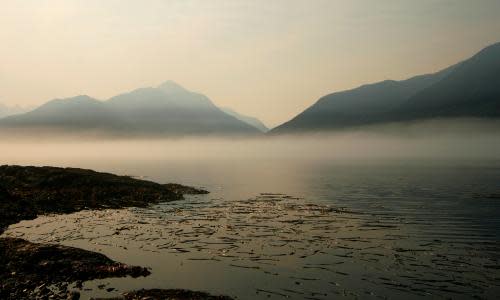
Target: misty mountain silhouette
247	119
168	109
11	110
468	89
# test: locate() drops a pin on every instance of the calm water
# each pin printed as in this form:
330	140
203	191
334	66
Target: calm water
299	229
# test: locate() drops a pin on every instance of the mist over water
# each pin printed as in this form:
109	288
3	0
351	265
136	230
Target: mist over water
414	197
240	167
456	140
348	164
352	206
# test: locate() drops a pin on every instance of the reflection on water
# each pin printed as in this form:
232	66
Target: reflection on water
363	228
276	246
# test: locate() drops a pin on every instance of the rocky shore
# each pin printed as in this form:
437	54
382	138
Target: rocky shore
39	271
167	294
26	192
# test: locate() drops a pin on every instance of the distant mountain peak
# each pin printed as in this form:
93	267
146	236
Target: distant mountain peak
80	98
166	110
81	101
171	87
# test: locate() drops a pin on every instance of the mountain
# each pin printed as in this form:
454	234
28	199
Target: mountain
468	89
166	110
471	90
80	112
252	121
11	110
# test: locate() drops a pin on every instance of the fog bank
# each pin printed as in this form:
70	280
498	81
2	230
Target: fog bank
430	140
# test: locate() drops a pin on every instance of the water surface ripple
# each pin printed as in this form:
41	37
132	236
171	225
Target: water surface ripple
279	246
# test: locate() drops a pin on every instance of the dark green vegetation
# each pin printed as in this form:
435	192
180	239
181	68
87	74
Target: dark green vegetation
470	89
32	271
166	110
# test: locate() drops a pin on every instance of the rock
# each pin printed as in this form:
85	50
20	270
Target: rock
26	192
73	295
37	266
30	191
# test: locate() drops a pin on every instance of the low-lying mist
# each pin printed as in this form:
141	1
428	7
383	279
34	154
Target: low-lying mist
459	139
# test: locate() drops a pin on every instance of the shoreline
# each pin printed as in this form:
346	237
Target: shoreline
44	270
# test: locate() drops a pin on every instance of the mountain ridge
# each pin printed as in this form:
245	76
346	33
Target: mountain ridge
165	110
253	121
395	101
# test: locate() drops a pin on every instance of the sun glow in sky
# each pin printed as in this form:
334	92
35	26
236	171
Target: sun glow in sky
269	59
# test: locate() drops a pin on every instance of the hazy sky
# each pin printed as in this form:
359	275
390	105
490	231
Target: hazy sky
270	59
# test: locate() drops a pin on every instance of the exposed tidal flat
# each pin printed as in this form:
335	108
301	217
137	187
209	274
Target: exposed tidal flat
43	271
273	246
314	231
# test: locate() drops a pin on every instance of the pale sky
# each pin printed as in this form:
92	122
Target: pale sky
270	58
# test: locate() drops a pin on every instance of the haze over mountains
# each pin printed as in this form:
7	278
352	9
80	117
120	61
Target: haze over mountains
470	89
247	119
166	110
11	110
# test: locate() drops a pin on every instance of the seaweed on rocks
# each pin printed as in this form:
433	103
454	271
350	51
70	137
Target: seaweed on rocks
26	192
30	270
33	271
